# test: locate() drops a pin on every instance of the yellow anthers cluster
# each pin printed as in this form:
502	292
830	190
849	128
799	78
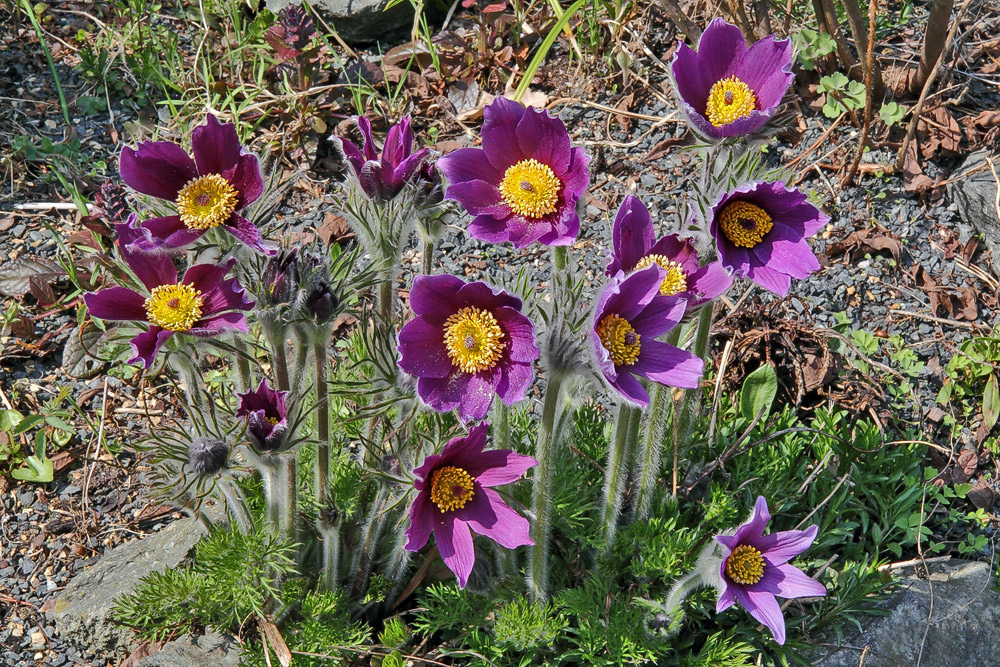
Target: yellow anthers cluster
206	202
745	565
730	99
473	339
451	488
744	224
273	421
174	307
530	188
619	339
676	280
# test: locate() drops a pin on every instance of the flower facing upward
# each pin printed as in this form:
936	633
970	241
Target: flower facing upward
203	303
760	232
635	249
524	183
727	89
629	316
207	191
267	418
382	178
455	494
755	569
466	344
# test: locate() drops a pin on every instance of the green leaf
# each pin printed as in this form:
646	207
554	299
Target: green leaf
991	402
39	468
836	81
758	392
27	423
891	113
9	419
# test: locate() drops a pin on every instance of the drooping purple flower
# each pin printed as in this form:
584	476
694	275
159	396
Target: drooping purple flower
456	494
760	231
635	249
523	185
629	316
207	191
267	418
203	303
383	177
467	343
755	569
727	89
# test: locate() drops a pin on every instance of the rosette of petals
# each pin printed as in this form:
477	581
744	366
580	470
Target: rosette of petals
523	185
467	344
267	417
383	177
727	89
456	496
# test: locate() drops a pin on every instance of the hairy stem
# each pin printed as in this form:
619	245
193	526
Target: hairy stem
686	412
242	364
501	425
269	471
545	455
322	425
289	499
616	473
427	264
279	356
330	537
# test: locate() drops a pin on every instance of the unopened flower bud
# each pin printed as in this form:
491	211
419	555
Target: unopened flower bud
207	456
281	278
322	303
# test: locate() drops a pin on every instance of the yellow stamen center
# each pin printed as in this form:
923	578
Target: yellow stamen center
744	224
174	307
729	100
451	488
530	188
206	201
745	565
273	421
473	339
619	339
676	280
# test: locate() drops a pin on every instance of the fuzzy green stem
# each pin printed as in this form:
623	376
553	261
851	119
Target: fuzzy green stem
269	471
322	425
686	411
538	566
331	557
289	500
279	357
559	260
385	301
242	363
236	506
616	473
501	425
652	448
428	256
191	381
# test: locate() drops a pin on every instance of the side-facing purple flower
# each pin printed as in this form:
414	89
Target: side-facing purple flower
755	569
267	418
203	303
629	316
524	183
727	89
455	494
382	178
467	343
207	191
760	231
635	249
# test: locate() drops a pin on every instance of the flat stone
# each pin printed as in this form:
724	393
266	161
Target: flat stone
959	629
210	649
357	21
974	189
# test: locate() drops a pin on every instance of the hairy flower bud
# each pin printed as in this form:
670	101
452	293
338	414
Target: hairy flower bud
321	303
281	278
112	203
207	456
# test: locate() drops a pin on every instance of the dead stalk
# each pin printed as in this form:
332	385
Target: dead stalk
869	94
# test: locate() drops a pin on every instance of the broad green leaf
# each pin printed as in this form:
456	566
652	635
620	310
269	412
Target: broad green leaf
991	402
759	390
9	419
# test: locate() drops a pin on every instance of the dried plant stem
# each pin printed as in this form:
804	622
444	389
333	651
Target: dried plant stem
616	472
869	60
427	261
538	566
826	15
934	43
855	20
681	20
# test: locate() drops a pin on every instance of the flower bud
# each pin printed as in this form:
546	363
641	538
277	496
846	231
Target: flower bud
281	278
207	456
321	303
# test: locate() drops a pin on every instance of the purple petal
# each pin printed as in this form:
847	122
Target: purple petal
157	168
151	268
454	542
521	347
443	394
216	324
422	351
230	295
676	249
726	599
497	467
481	295
116	303
563	231
629	296
207	277
215	146
247	180
754	526
709	282
631	389
514	382
147	344
668	365
765	608
793	257
544	138
576	178
421	522
167	233
479	198
465	451
478	396
468	164
766	68
352	153
688	81
770	279
789	582
398	142
435	296
247	233
632	235
499	133
491	517
779	548
365	126
659	316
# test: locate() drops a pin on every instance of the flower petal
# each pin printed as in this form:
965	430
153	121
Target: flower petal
435	295
765	608
659	316
216	324
767	68
632	235
631	389
246	232
709	282
478	396
208	277
491	517
116	303
454	543
726	599
770	278
215	145
544	138
421	522
499	133
229	296
521	347
167	233
790	582
720	48
479	198
147	344
669	365
514	382
157	168
779	548
422	351
468	164
753	528
497	467
247	180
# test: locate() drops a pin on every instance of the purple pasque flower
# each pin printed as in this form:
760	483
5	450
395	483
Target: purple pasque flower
382	178
635	249
267	418
629	316
760	232
467	343
207	191
203	303
455	494
727	89
524	183
755	569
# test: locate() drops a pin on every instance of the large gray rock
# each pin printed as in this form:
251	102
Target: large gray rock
81	612
357	20
974	189
210	649
962	627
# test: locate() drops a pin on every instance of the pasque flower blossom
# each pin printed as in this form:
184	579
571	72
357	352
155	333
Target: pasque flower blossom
755	569
383	177
202	303
630	314
635	249
207	191
467	343
727	89
456	496
760	231
267	418
524	183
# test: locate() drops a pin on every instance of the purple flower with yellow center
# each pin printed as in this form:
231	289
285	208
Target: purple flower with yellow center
383	177
208	191
635	249
629	316
203	303
760	231
267	418
524	183
727	89
456	496
467	343
755	569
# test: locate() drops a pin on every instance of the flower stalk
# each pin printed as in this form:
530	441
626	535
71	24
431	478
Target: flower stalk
616	473
545	454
